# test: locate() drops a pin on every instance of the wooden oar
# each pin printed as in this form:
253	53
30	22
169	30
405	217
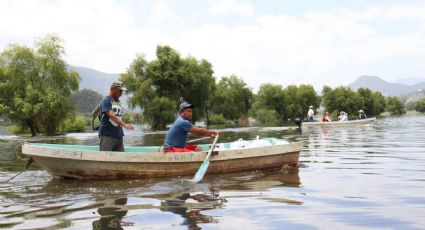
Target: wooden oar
203	169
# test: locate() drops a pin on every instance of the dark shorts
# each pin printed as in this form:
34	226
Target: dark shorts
108	143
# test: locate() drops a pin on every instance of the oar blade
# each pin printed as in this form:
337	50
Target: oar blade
201	172
204	167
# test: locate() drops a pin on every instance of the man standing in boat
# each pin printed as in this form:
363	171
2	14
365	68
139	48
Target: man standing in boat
310	114
362	114
111	123
175	141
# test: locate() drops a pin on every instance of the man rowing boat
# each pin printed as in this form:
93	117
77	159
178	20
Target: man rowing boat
175	140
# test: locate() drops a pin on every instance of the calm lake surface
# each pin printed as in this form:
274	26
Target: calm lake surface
358	177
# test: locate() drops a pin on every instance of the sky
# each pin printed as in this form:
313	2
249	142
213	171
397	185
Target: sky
284	42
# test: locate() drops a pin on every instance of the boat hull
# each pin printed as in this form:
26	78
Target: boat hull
113	165
337	123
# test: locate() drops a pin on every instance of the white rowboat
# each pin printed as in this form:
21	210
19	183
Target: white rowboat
339	123
87	162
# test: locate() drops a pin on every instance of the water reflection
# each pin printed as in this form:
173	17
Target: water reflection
121	203
183	205
111	217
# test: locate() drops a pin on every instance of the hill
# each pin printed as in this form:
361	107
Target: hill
86	100
97	81
410	80
386	88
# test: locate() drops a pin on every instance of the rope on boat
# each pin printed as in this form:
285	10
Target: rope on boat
27	165
28	162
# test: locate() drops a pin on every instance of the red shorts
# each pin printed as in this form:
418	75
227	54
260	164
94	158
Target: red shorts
187	148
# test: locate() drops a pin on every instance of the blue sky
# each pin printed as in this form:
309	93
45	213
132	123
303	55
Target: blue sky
283	42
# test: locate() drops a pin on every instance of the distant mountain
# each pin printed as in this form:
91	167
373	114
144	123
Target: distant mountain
410	80
386	88
95	80
416	95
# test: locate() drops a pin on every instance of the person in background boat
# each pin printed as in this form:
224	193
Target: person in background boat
326	117
175	140
362	114
329	116
111	123
310	114
343	116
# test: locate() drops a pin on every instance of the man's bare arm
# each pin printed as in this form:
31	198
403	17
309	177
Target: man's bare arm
202	132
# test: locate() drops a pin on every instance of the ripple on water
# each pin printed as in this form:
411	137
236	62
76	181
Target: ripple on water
351	177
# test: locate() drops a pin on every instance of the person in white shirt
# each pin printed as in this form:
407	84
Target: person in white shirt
343	116
310	114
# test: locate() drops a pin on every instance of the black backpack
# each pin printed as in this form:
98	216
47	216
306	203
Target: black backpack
97	115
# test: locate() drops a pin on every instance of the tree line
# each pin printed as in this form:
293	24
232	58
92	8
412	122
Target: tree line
38	92
160	85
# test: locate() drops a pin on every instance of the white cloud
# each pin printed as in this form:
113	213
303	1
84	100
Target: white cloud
232	7
319	47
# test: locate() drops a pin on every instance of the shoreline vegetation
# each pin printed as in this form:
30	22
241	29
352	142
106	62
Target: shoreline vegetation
38	94
86	128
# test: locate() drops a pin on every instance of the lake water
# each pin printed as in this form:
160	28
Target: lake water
358	177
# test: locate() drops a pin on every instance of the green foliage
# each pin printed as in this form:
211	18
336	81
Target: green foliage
35	85
341	98
420	105
15	129
299	99
373	102
217	119
133	118
160	112
86	100
288	103
159	86
202	84
394	106
74	123
232	98
267	116
270	100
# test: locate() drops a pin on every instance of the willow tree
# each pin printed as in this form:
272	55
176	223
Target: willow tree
299	99
232	98
288	103
420	105
271	100
35	85
341	98
159	86
373	101
394	105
